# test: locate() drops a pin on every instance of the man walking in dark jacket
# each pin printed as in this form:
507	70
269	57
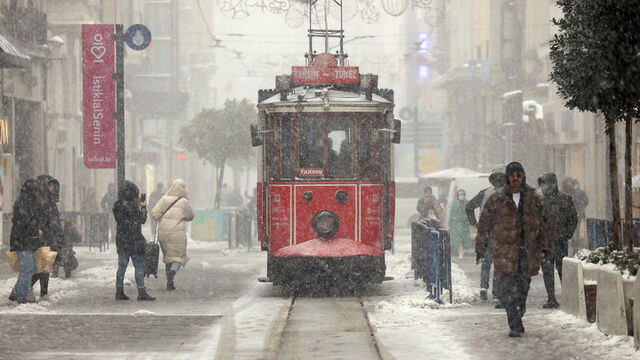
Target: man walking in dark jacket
497	179
518	226
25	238
564	217
130	213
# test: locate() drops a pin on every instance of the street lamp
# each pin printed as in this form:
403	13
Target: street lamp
56	41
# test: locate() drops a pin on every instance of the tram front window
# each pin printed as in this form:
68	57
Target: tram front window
311	144
339	141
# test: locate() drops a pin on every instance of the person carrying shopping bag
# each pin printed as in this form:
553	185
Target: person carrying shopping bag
25	238
172	212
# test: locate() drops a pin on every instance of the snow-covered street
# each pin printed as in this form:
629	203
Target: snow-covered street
407	324
220	311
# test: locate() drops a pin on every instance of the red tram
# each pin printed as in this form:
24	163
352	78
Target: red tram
325	178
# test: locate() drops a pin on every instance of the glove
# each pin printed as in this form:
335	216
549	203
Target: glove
479	258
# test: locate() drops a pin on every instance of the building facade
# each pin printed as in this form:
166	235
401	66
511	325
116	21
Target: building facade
501	105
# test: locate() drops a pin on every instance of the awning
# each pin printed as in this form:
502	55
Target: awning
10	55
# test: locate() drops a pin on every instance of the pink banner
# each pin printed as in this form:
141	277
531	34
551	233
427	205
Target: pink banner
98	97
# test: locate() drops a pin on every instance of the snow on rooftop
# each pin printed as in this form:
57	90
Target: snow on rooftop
511	93
313	95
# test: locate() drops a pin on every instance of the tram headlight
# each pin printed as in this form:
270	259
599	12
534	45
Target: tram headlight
325	224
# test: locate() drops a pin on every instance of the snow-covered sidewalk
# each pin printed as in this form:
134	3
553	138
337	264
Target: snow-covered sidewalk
407	324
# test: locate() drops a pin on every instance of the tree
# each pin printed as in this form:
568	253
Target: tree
220	135
596	65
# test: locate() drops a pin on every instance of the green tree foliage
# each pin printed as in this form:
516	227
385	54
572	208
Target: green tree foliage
220	135
596	65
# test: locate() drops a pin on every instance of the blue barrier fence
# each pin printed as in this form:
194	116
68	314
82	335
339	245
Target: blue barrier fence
431	257
232	225
600	232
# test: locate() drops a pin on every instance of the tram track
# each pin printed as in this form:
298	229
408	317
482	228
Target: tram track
328	327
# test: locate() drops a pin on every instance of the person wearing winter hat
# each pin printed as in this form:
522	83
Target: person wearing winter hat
497	180
520	230
564	216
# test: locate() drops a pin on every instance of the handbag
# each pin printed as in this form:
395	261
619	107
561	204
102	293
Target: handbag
155	240
45	258
13	260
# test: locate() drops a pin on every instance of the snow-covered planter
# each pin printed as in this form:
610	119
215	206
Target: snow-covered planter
607	258
627	263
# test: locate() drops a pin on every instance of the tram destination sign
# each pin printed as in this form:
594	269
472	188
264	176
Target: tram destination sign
325	74
325	70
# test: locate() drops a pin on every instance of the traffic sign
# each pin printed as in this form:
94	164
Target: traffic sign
138	37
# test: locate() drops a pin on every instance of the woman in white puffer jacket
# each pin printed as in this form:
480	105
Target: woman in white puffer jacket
172	212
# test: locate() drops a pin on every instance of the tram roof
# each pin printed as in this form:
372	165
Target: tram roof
313	95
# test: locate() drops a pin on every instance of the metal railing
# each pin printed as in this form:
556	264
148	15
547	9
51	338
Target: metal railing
93	228
233	225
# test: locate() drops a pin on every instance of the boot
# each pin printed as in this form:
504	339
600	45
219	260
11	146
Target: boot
120	294
31	297
171	274
143	296
170	285
515	333
551	304
483	294
67	274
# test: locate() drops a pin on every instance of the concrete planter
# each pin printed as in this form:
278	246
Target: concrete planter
598	293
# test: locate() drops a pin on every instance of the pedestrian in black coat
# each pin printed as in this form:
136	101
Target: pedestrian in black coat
497	180
53	235
106	204
564	219
71	237
426	203
130	213
25	237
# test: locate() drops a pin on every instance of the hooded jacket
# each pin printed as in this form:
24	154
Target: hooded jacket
496	179
129	219
560	207
53	235
26	221
507	226
172	212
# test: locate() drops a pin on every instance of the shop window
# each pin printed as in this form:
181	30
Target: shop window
568	121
